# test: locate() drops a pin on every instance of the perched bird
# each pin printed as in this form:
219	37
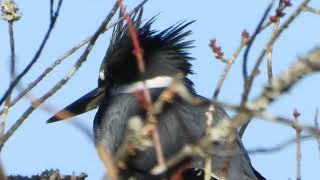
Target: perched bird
180	123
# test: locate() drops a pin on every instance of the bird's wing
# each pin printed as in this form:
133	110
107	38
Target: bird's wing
182	123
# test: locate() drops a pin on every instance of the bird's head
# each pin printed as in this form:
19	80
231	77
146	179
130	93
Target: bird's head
164	54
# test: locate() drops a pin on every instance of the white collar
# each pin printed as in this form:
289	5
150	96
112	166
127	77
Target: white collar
157	82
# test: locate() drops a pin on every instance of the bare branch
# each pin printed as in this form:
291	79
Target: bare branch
51	9
63	81
46	72
244	40
311	10
138	53
282	83
271	117
275	36
298	129
316	124
256	32
36	56
108	162
59	60
12	51
278	147
10	9
208	159
269	53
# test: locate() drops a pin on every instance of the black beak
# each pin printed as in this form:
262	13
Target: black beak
86	103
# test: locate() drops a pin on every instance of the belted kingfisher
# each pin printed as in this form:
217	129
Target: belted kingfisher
180	123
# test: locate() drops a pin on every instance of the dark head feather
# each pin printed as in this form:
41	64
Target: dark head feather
164	53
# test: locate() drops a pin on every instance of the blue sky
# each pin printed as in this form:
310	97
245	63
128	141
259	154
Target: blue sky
37	146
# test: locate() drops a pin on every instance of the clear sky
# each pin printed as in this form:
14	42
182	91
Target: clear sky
37	146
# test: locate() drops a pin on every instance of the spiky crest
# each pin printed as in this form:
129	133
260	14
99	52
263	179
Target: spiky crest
165	52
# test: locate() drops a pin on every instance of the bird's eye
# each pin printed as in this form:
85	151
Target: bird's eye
101	75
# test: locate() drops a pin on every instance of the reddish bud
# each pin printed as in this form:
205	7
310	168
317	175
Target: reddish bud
245	35
280	13
273	19
213	43
216	49
296	113
287	3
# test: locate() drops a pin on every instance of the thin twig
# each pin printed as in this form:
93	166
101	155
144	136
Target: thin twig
256	32
51	9
288	122
12	51
305	65
63	57
296	115
36	56
282	83
227	160
207	168
2	173
4	116
311	10
138	53
275	36
269	54
265	26
46	72
316	124
208	159
279	146
136	138
108	162
270	117
246	87
158	148
202	146
230	62
10	12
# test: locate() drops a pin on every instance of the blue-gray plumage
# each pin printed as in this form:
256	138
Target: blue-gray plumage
180	122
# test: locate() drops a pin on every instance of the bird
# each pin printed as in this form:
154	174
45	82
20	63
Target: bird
181	123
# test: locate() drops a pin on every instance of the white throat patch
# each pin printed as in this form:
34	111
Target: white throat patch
157	82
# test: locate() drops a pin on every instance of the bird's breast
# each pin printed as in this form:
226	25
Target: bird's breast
110	122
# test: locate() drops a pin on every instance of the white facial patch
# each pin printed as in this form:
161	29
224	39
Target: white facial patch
157	82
